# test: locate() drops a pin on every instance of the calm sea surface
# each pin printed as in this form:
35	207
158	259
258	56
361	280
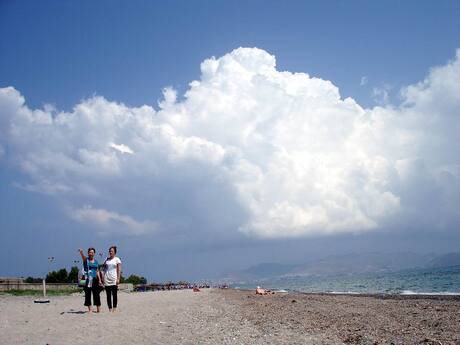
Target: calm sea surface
414	281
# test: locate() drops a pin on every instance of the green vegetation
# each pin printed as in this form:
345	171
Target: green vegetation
73	275
61	276
63	292
133	279
32	280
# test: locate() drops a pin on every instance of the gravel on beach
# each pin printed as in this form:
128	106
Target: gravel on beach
354	319
215	316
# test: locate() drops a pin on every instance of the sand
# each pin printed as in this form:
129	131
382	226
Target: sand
232	317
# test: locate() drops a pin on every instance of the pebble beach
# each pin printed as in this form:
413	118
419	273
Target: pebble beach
215	316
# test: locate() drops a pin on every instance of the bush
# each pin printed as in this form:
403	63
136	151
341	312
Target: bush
134	279
73	275
32	280
60	276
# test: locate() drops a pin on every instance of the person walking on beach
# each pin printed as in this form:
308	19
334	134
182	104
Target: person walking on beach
93	284
112	274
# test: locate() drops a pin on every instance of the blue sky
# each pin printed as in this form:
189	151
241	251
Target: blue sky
59	52
64	53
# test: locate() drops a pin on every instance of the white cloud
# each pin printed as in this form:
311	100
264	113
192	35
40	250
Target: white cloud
381	95
121	148
273	154
109	222
364	81
45	187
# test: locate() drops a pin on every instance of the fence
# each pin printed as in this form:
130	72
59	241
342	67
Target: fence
50	286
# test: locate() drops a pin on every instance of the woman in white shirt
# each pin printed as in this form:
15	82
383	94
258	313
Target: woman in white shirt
112	274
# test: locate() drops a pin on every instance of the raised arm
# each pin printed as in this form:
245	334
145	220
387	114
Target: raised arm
83	257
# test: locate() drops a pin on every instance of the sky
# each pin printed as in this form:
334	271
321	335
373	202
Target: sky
208	136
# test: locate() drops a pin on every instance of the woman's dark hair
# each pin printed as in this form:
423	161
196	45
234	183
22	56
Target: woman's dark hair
91	248
114	248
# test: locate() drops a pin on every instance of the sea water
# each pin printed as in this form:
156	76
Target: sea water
444	281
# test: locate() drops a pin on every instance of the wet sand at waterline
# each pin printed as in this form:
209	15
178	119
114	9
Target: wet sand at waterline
233	317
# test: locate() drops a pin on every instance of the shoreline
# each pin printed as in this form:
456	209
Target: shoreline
409	294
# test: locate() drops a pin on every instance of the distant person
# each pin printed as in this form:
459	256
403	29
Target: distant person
93	284
112	274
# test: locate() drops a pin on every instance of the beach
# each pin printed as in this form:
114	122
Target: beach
215	316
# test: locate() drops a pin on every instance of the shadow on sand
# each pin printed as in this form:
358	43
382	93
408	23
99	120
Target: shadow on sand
71	311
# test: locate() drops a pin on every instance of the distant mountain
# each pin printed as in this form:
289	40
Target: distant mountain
451	259
260	271
362	263
349	264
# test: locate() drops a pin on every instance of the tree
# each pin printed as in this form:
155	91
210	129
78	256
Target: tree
135	280
32	280
60	276
73	275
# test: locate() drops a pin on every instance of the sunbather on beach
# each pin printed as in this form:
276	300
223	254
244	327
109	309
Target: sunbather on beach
260	291
93	284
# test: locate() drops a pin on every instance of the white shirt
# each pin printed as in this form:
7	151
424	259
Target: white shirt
110	274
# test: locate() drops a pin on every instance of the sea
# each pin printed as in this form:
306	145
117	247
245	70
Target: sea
431	281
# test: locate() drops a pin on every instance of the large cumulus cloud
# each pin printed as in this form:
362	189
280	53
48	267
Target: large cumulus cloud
247	148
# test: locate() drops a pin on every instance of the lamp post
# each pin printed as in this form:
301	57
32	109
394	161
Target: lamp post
50	261
76	263
45	300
